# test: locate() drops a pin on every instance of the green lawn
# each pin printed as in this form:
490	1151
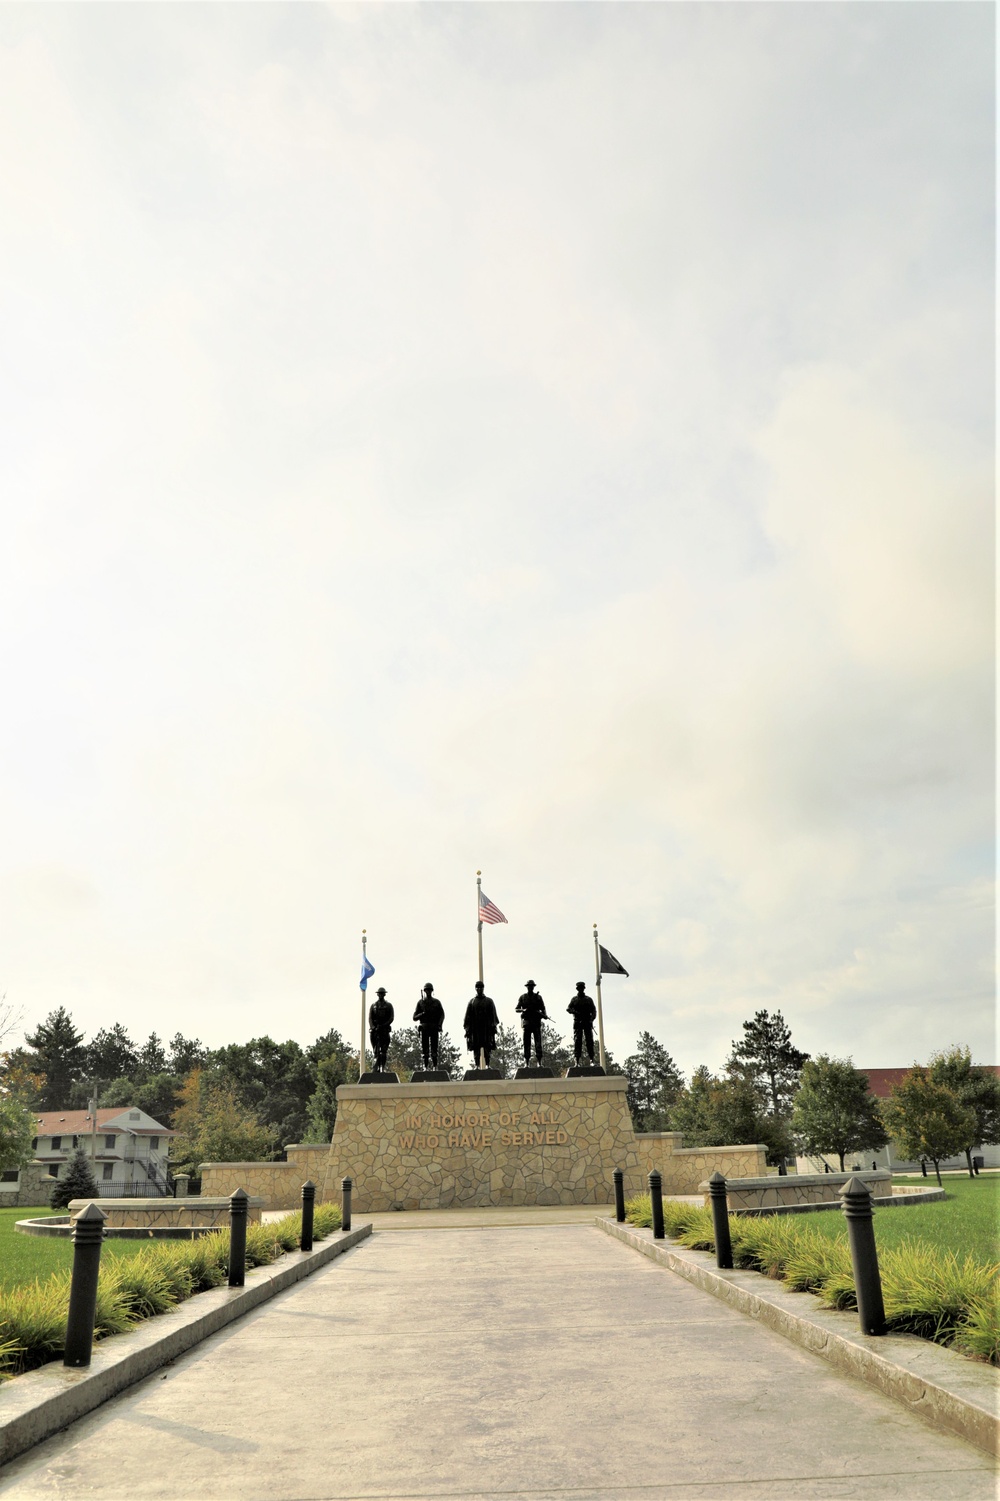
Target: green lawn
967	1222
25	1257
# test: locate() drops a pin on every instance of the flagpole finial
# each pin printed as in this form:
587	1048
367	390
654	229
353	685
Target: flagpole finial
363	932
478	872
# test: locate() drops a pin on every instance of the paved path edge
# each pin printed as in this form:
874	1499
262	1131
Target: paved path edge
41	1402
948	1390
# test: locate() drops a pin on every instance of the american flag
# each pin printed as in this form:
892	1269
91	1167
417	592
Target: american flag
487	911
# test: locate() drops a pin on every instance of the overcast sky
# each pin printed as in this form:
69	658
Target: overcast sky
555	440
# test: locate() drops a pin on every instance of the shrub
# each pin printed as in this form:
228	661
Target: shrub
79	1182
979	1335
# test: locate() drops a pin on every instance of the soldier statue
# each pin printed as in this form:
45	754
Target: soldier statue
583	1012
429	1017
532	1009
481	1024
380	1018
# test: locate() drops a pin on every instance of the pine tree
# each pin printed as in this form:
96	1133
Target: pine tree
78	1183
766	1057
58	1053
111	1054
654	1084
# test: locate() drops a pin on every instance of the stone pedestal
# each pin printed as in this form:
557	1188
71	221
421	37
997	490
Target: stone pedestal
472	1074
430	1076
586	1071
483	1141
376	1077
534	1071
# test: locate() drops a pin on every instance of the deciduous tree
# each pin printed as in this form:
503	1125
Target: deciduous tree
834	1111
977	1088
927	1119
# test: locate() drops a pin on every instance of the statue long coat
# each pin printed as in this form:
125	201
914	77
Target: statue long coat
481	1024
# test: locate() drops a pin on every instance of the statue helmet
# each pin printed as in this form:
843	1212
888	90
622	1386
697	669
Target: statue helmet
428	986
529	984
480	985
381	991
581	984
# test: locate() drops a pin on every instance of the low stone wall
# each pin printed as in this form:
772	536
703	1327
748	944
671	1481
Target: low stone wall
797	1188
33	1189
152	1214
683	1168
277	1184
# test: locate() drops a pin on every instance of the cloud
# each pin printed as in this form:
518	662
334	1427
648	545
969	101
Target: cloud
546	441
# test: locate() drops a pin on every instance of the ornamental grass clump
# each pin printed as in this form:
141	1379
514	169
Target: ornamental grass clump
930	1292
979	1335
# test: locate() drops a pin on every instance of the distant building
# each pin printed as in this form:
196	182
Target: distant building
880	1084
128	1150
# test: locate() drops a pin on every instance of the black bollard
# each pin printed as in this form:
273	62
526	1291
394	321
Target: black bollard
720	1221
656	1200
857	1206
238	1238
88	1232
308	1205
619	1178
345	1213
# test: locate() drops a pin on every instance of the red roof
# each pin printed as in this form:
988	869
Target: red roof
81	1123
881	1080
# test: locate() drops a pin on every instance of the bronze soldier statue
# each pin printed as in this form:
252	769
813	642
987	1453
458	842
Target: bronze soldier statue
481	1024
429	1017
532	1009
380	1019
584	1014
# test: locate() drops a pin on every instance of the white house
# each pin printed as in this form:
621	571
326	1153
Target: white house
127	1148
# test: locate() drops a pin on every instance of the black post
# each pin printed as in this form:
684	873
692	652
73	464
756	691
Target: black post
857	1206
345	1213
88	1232
308	1205
238	1238
720	1221
656	1199
619	1178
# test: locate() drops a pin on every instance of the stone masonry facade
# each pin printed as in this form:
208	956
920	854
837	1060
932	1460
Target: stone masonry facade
463	1144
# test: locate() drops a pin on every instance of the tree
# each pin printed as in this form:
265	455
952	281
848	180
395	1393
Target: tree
692	1110
17	1131
214	1125
834	1111
111	1053
927	1119
715	1112
186	1053
58	1053
272	1079
338	1066
976	1088
152	1059
766	1057
406	1054
557	1054
654	1084
78	1182
158	1096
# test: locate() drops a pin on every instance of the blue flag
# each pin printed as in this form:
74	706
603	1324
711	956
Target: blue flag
367	968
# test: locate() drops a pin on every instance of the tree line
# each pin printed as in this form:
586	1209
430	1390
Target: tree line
248	1101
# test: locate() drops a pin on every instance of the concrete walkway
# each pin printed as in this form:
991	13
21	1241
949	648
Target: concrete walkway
537	1361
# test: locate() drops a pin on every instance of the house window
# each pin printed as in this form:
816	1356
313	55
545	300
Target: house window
109	1142
135	1115
154	1143
76	1141
108	1171
53	1169
10	1176
34	1143
57	1143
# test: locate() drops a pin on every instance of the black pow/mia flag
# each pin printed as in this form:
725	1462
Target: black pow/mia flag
609	964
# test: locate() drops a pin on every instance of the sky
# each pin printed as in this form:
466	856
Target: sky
549	440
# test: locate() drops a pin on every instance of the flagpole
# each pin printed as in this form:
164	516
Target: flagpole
479	916
364	997
600	1011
